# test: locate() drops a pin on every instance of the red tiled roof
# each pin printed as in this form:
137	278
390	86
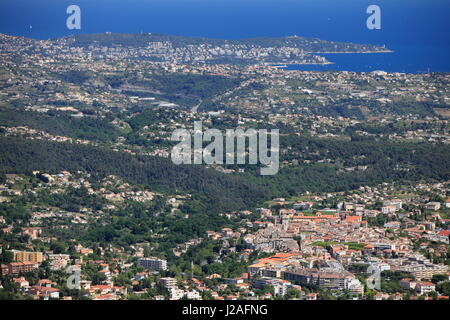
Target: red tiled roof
444	233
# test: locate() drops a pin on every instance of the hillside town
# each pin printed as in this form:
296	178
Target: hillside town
93	208
312	247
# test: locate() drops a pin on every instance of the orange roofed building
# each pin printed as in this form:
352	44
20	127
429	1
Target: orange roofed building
18	267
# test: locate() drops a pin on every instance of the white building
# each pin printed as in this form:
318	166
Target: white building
168	283
354	286
193	295
153	263
176	294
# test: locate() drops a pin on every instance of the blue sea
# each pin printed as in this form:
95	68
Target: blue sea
404	59
416	30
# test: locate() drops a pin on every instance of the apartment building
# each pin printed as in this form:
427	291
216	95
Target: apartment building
424	271
394	202
23	256
331	280
18	267
168	282
153	263
435	206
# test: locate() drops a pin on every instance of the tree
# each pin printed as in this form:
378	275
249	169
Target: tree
267	288
292	293
98	278
439	278
6	257
58	247
444	288
122	280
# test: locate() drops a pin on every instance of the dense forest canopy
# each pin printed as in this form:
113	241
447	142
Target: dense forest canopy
218	191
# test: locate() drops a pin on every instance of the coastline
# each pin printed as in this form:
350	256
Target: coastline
359	52
286	64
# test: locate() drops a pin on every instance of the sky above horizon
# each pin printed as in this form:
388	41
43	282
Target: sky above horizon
404	22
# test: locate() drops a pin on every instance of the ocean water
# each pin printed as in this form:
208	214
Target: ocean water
417	30
403	59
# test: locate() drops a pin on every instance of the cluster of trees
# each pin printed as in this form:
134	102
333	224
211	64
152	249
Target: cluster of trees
392	127
390	281
444	288
201	86
72	200
386	161
75	76
14	212
183	89
350	108
342	109
61	124
217	192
